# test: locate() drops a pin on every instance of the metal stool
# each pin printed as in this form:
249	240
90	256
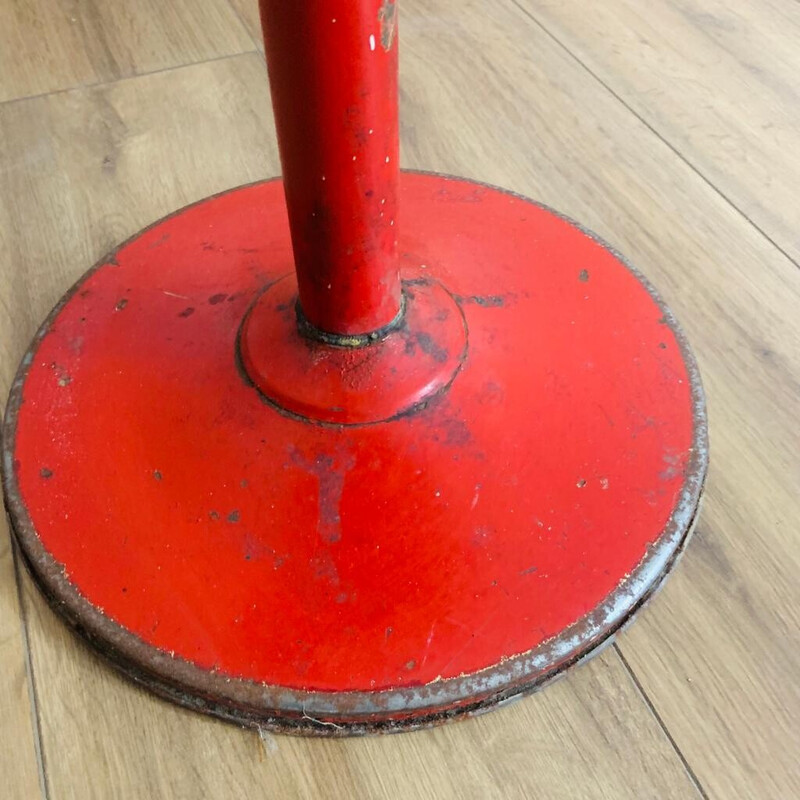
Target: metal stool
404	454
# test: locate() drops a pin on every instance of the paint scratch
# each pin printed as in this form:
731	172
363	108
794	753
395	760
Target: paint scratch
428	645
321	722
476	497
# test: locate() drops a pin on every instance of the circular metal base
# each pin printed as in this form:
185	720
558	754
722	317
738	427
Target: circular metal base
284	570
391	375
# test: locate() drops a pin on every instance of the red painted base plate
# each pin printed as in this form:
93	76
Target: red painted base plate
333	575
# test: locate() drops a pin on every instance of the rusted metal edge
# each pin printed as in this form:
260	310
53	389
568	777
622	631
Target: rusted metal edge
283	710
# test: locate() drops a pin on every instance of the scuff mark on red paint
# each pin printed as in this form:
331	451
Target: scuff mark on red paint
387	17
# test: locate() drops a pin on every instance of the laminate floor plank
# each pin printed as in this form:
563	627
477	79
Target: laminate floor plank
46	45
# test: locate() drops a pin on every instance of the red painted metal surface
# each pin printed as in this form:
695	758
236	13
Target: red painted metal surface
349	385
447	461
333	77
449	555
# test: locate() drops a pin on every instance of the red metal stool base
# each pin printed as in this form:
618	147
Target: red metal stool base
262	562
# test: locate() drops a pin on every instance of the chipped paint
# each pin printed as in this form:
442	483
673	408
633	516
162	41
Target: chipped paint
387	19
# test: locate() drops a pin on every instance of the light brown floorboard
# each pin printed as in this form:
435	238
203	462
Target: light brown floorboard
717	79
18	760
248	14
46	45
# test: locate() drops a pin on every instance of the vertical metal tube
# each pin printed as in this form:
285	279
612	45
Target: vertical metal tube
333	76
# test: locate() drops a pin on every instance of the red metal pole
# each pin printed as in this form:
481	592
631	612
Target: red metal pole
333	76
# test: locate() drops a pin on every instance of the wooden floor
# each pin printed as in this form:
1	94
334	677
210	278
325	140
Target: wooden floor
672	128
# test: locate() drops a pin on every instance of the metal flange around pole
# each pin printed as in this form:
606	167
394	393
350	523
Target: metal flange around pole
359	451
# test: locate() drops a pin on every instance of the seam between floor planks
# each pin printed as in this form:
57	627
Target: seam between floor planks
99	84
663	725
30	675
528	13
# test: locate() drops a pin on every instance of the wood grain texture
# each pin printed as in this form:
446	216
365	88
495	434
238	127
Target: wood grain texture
247	11
492	96
717	79
47	45
18	758
18	761
156	146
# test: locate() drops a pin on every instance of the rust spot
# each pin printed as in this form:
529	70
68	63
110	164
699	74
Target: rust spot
46	473
121	304
213	514
411	664
581	483
158	242
662	345
456	433
583	275
387	19
493	301
325	569
243	483
485	301
331	485
330	473
157	475
430	347
234	516
187	312
216	298
442	315
528	571
669	473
